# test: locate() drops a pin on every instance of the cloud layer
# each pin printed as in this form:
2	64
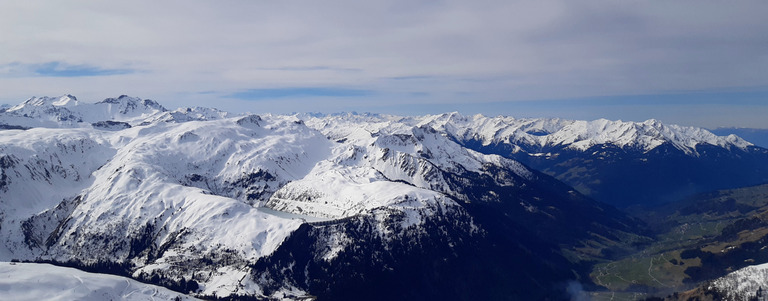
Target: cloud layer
379	54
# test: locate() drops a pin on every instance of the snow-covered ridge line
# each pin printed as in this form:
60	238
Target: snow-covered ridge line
111	113
527	134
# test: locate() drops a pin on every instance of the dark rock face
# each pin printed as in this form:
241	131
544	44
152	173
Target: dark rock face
111	125
12	127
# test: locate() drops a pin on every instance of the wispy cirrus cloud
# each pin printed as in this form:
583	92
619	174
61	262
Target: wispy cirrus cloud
310	68
299	92
413	77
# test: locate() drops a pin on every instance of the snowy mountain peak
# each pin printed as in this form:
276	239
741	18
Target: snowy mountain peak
66	112
250	120
32	103
66	100
128	100
126	104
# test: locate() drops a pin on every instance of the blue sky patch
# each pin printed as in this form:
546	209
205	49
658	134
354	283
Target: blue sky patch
57	69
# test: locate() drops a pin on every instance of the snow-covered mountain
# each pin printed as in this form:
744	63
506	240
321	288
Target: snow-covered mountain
337	207
272	206
536	135
112	113
600	158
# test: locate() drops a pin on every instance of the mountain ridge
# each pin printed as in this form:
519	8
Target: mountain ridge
543	133
272	206
266	206
593	156
533	132
599	158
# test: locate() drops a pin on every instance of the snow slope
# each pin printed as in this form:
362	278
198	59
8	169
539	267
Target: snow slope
743	283
33	281
192	188
370	171
38	169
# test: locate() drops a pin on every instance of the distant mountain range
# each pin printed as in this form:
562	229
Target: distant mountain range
67	112
757	136
603	159
345	206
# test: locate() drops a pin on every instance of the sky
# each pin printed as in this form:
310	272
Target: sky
701	63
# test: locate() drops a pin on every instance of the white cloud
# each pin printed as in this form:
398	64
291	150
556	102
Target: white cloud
452	51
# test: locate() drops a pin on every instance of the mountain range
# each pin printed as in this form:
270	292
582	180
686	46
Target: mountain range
602	159
344	206
757	136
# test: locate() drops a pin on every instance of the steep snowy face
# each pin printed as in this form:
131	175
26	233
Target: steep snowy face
191	190
244	158
38	169
392	167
